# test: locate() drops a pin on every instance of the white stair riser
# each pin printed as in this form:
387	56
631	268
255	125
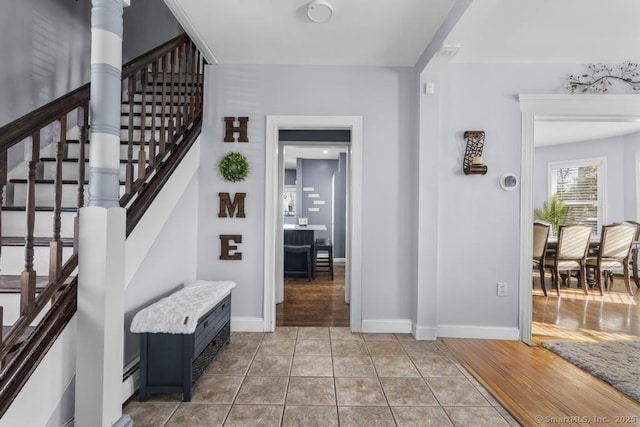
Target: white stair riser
12	259
11	310
45	195
124	108
73	152
14	224
70	170
149	97
138	135
137	120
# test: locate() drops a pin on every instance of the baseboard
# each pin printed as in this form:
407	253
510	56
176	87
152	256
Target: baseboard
397	326
428	333
340	260
247	324
131	379
482	332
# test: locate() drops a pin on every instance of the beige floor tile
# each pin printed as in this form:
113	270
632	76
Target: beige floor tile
405	337
270	366
199	415
282	333
407	392
483	391
421	348
312	366
310	416
436	366
353	366
311	391
379	337
150	414
230	364
395	366
276	347
254	336
344	333
365	416
313	347
385	348
474	416
216	389
263	391
417	416
313	333
359	392
348	348
242	346
452	391
507	416
254	415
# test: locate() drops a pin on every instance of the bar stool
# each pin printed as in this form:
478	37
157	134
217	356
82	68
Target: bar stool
323	256
297	261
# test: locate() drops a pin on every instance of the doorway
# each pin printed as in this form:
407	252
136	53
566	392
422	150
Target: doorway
315	170
274	219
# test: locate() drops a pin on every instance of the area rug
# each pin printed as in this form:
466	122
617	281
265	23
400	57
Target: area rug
616	362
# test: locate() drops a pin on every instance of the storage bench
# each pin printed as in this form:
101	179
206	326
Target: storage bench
172	362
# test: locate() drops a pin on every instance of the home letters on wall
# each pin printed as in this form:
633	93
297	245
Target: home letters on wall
228	207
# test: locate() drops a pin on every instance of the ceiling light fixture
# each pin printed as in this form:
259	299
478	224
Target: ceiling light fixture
448	49
320	11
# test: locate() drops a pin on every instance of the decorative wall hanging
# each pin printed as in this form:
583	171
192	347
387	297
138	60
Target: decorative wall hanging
601	78
234	167
230	129
472	163
229	208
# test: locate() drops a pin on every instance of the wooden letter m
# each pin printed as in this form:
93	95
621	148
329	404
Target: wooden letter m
230	208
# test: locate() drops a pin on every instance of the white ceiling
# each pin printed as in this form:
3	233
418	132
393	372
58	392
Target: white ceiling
292	152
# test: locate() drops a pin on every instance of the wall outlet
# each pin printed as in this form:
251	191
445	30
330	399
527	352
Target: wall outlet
502	289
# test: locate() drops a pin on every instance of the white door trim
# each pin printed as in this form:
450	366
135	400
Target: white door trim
583	107
273	221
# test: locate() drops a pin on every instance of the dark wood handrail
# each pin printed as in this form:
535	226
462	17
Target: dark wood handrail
130	67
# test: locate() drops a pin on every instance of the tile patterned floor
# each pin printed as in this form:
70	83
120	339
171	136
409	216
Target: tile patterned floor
316	376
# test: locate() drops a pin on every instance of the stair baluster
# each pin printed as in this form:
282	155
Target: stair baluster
199	73
163	104
55	247
173	57
28	278
143	119
83	124
131	93
3	182
152	141
192	65
181	100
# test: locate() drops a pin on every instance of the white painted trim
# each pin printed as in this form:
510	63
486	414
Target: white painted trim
247	324
341	260
130	385
192	30
420	333
614	107
273	258
389	326
637	185
481	332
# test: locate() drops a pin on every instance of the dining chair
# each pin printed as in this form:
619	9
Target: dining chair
614	252
571	254
540	239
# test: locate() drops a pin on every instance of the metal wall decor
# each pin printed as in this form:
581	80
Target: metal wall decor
472	163
601	78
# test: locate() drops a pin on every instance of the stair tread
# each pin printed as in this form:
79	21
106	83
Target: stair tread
39	208
49	181
75	141
75	160
37	241
11	284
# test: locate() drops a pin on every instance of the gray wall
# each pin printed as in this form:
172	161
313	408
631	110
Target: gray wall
289	177
382	96
170	261
613	149
340	208
631	147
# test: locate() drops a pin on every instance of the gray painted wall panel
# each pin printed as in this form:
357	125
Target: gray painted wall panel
340	208
318	174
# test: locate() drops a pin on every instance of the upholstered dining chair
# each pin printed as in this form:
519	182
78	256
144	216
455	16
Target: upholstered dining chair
571	254
540	236
614	252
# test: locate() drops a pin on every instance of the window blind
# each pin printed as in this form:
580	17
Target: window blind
577	187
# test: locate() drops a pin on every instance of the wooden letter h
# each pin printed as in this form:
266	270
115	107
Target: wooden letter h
230	129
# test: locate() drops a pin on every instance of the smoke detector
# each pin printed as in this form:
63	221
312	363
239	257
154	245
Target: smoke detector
448	50
320	10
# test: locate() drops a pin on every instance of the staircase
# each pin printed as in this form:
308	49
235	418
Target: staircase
41	196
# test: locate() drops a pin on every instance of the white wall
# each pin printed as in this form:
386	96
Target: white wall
610	148
383	97
631	147
477	223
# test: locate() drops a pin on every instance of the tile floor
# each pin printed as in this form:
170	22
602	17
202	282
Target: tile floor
321	376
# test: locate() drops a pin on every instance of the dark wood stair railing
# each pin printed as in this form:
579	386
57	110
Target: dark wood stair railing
173	76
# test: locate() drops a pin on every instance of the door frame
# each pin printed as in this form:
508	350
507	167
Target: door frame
579	107
273	220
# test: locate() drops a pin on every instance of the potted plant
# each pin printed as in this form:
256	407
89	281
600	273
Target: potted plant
555	212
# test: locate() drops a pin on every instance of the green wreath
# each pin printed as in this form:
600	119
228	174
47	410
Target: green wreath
234	167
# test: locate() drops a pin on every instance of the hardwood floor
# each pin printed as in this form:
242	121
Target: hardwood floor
316	303
533	382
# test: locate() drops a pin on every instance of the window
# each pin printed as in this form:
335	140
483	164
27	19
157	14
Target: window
579	185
